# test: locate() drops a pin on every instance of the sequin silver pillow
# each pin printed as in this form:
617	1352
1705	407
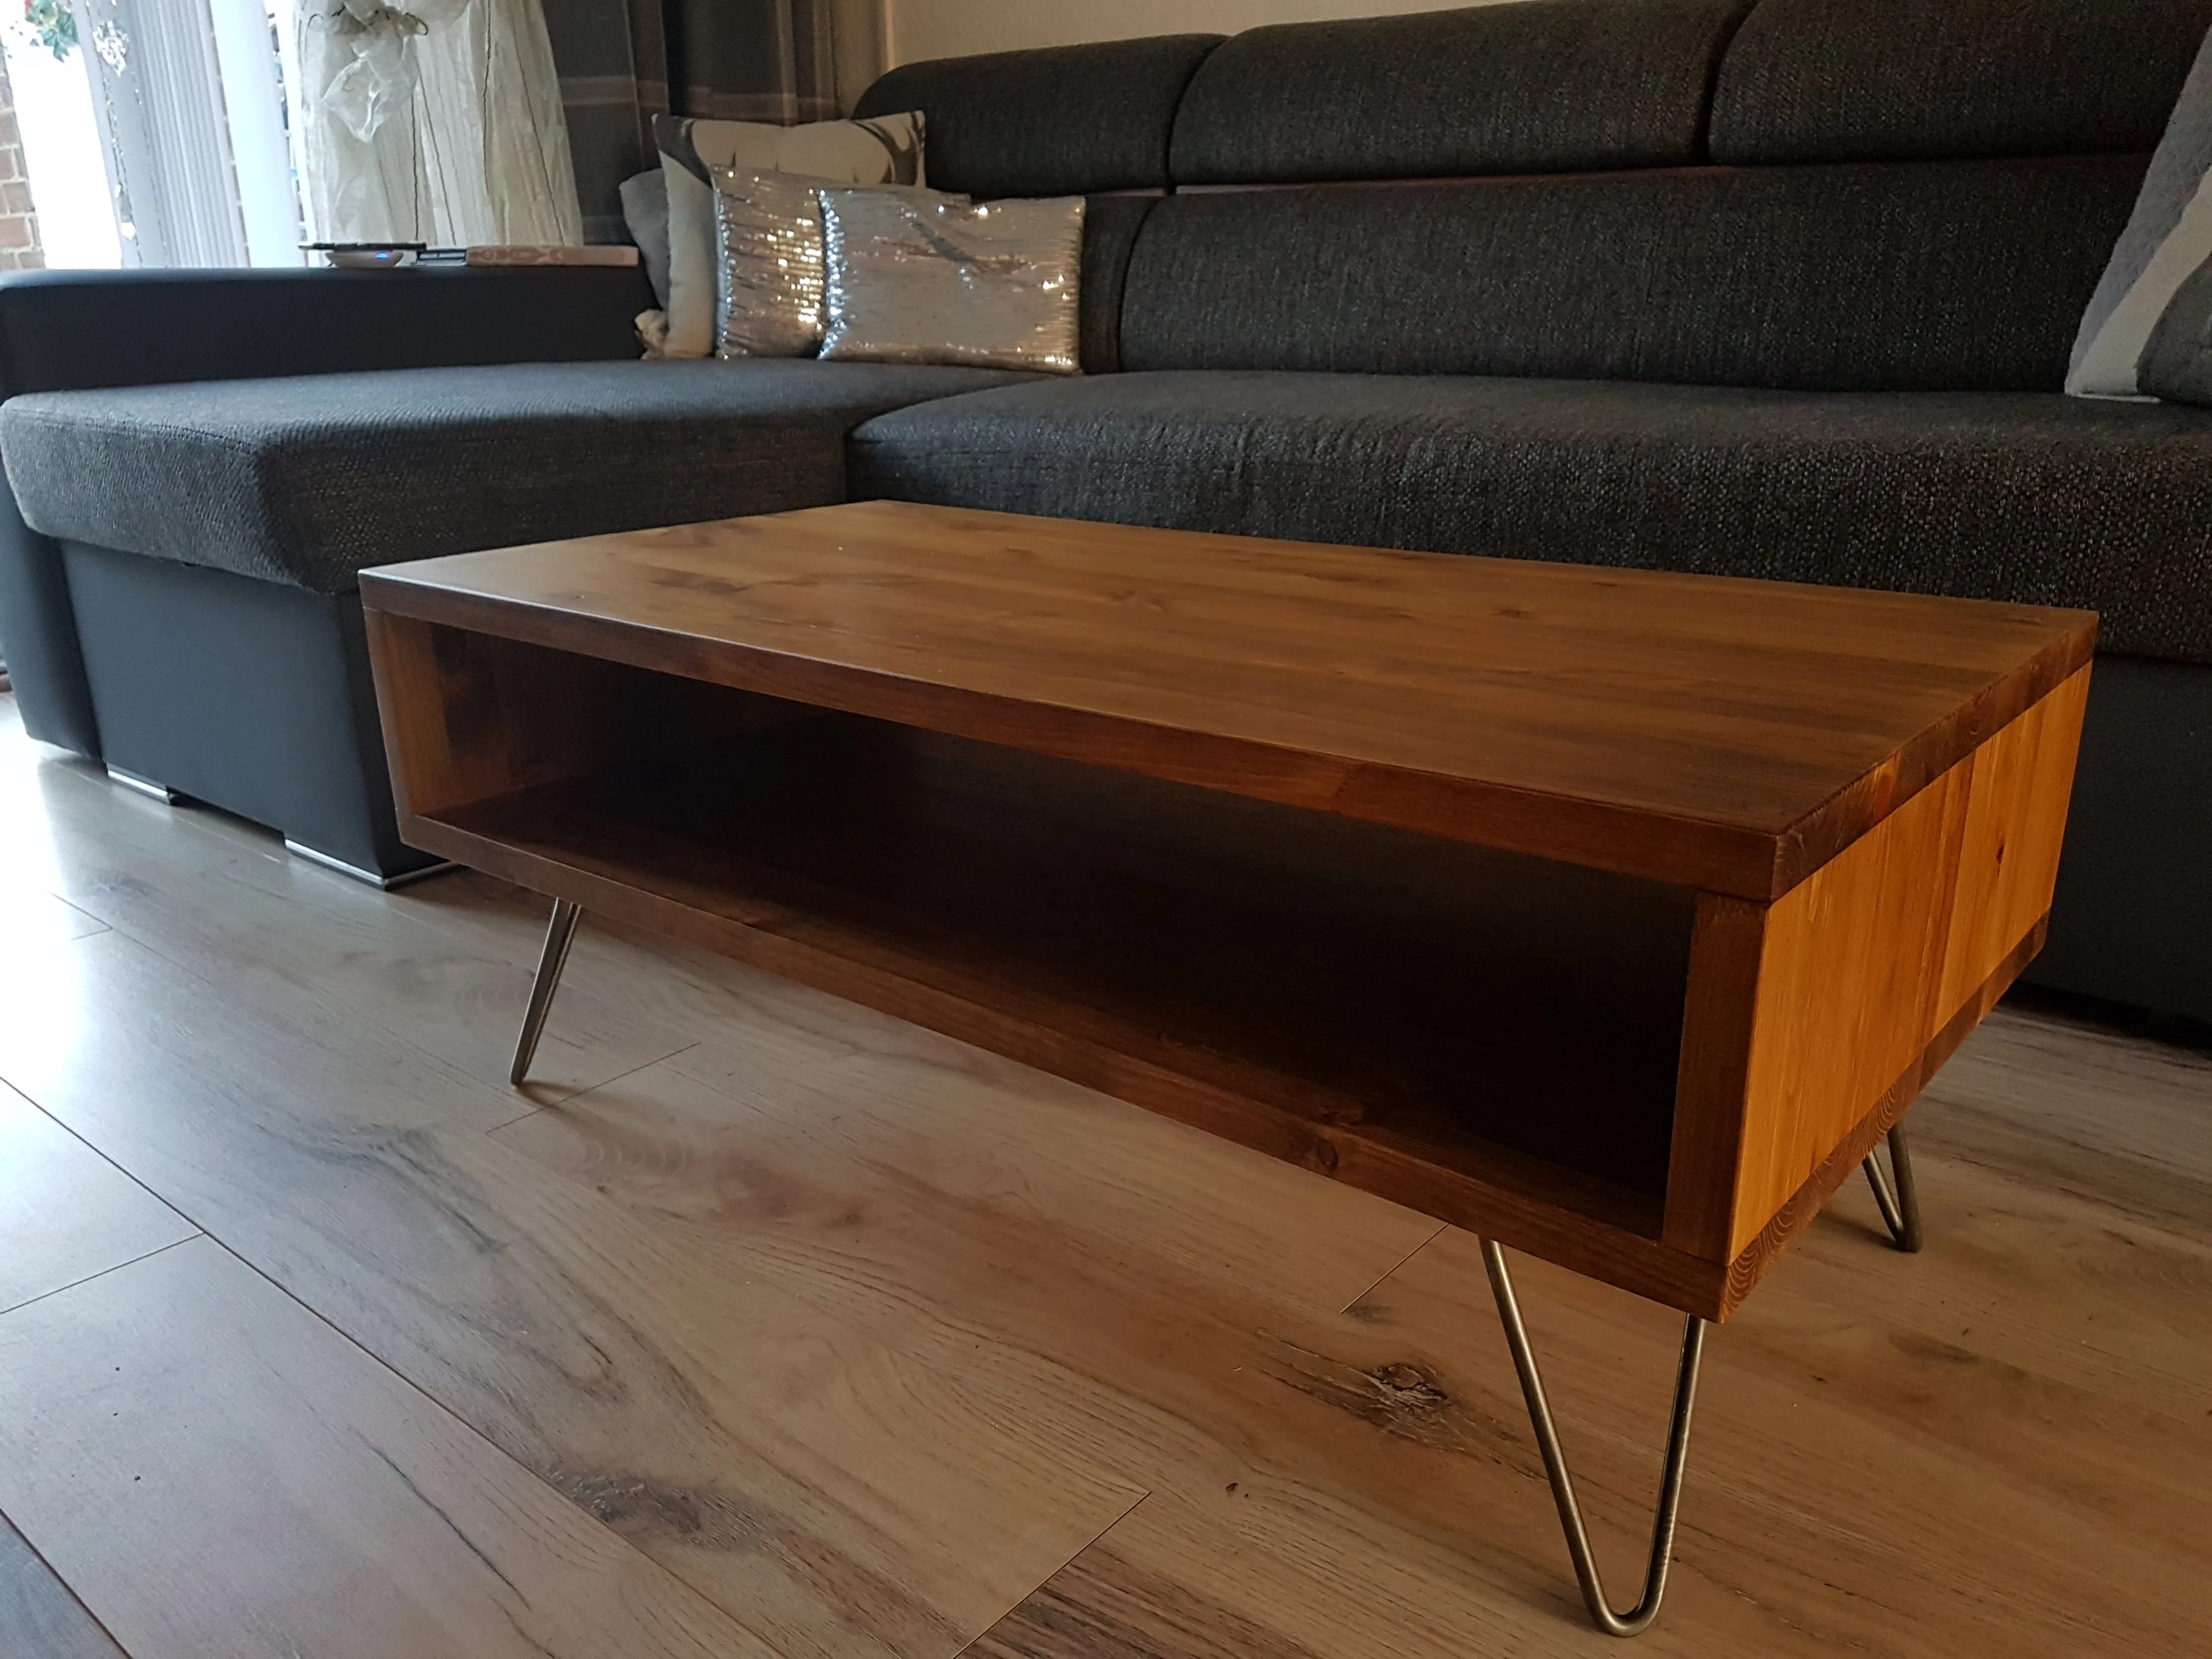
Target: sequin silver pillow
911	279
767	262
886	149
767	277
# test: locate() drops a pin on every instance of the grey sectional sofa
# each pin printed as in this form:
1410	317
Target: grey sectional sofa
1773	287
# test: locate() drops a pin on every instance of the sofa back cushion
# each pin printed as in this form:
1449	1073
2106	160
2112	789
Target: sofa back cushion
1848	195
1545	86
70	329
1061	121
1934	275
1913	80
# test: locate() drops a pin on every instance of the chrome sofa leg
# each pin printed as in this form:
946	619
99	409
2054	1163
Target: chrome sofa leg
160	792
560	933
389	884
1639	1617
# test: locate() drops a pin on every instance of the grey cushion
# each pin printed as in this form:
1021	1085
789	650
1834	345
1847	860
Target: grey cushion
2177	363
1547	86
1894	80
2165	240
2025	497
645	215
1924	277
306	480
1061	121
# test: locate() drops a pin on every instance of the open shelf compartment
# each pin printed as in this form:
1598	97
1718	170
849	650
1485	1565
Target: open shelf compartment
1364	999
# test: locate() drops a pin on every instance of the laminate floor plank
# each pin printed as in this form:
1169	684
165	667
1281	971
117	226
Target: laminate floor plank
1874	1455
66	1213
2114	1117
447	966
30	913
1376	1458
803	1115
38	1617
220	1476
838	1494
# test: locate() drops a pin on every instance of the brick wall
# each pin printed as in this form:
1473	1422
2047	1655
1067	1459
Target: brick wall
19	225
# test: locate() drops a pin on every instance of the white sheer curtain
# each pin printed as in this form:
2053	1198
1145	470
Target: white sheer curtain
436	121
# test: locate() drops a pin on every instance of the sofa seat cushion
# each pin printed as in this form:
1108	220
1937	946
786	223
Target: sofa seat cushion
2011	495
308	479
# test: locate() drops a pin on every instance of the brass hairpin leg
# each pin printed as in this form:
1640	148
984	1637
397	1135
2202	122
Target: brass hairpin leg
1638	1618
1899	1204
560	933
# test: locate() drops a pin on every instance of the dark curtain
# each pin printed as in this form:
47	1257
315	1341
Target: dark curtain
623	62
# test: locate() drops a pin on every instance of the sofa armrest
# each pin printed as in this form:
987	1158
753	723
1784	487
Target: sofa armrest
72	329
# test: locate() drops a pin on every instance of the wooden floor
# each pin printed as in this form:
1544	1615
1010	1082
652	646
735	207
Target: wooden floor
766	1326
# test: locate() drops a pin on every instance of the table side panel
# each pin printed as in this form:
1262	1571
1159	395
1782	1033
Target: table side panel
1863	966
2015	830
1721	1002
1804	1205
428	775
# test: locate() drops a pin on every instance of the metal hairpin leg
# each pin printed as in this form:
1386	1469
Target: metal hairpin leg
560	933
1900	1205
1634	1621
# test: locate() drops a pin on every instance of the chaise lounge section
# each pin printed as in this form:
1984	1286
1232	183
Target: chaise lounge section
1766	287
211	533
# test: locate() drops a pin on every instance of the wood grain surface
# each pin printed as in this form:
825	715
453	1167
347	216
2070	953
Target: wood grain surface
1253	1532
1863	966
1727	735
66	1213
622	1369
571	1360
1964	1427
885	1345
227	1473
38	1617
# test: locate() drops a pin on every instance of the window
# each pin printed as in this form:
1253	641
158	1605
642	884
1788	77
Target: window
154	131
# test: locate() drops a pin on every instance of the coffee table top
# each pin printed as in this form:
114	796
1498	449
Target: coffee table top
1725	734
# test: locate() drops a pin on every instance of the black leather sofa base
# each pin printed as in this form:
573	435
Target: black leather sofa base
2133	913
38	634
254	696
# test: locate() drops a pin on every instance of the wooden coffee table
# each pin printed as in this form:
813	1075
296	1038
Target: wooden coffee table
1614	916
